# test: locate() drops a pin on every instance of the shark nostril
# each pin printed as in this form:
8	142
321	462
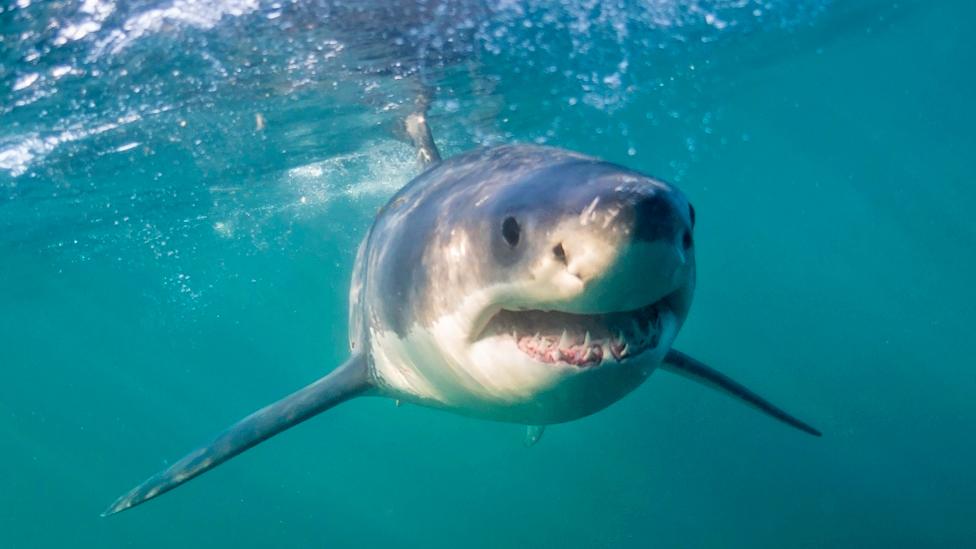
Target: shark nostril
560	253
686	240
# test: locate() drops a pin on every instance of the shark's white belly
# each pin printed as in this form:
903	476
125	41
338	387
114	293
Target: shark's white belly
495	380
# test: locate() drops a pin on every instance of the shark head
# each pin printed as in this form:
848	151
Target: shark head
528	284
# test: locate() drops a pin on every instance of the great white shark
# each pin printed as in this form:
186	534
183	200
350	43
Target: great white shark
520	283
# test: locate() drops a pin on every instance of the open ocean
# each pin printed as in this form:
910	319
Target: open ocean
183	185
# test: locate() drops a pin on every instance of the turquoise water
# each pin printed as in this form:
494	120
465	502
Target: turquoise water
183	185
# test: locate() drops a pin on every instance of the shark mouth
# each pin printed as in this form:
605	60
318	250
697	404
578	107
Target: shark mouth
583	340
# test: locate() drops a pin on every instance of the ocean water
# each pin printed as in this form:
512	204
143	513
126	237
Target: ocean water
183	186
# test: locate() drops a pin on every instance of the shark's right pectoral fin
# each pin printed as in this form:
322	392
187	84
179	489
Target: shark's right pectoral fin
345	382
679	363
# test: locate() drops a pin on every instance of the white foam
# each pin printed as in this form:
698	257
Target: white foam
380	168
195	13
17	157
25	81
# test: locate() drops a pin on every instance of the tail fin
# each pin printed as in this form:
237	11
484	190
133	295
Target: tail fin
679	363
343	383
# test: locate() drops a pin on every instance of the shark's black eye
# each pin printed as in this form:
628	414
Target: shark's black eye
691	214
511	231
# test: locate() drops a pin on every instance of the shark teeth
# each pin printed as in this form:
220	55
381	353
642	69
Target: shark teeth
583	340
591	351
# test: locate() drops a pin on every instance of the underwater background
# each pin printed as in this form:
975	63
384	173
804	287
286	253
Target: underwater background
183	186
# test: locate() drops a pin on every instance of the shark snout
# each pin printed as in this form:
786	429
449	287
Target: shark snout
627	246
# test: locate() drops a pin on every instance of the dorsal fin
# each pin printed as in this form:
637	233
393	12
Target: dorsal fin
419	132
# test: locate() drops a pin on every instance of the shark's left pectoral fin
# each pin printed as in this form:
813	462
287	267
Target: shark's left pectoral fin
679	363
533	433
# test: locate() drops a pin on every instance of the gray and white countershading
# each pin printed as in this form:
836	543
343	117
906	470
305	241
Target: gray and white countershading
524	284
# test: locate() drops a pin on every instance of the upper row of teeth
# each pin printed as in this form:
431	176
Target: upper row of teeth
565	341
